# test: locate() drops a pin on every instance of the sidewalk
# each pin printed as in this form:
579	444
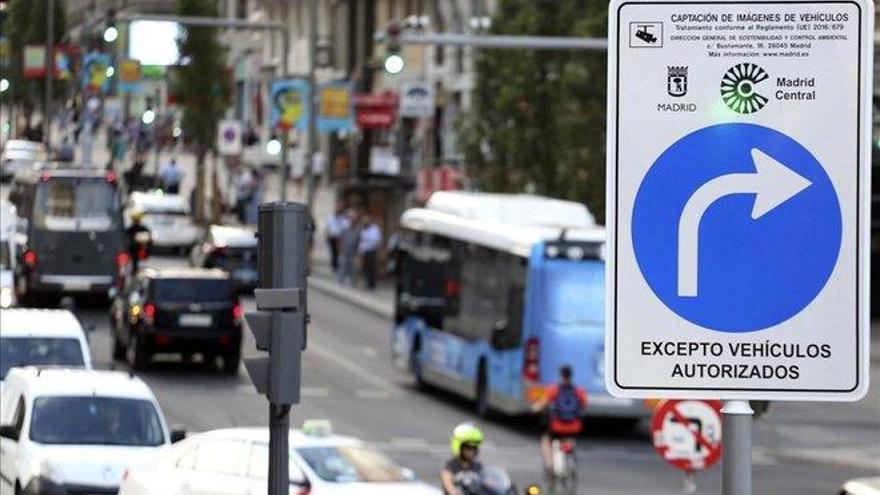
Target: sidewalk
379	301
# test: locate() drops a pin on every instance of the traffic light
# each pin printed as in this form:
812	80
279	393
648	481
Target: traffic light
394	62
149	114
279	325
110	31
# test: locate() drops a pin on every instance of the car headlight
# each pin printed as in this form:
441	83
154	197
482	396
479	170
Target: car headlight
6	297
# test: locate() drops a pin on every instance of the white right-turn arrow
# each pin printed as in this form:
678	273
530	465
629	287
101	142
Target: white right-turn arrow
772	183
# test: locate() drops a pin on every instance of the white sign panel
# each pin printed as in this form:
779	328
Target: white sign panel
417	100
229	137
738	199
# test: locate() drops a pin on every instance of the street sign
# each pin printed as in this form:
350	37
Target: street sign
687	433
229	137
336	106
129	76
738	199
290	107
417	100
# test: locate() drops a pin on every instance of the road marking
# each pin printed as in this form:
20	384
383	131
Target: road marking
408	442
334	356
772	183
372	394
314	392
370	352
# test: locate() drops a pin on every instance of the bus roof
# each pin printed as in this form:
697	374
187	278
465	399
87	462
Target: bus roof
485	220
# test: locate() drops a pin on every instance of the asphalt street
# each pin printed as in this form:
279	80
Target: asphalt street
348	379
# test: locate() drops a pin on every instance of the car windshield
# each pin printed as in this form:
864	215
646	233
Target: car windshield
4	255
348	464
191	290
25	351
76	204
574	291
95	421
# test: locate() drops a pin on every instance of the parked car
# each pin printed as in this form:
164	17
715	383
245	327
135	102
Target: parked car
8	223
65	431
233	249
168	218
236	461
861	486
73	238
41	337
19	155
187	311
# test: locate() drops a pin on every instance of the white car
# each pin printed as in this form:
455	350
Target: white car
19	154
41	337
8	223
75	431
168	218
235	461
233	249
861	486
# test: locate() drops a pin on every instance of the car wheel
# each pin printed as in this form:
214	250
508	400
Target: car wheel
137	355
231	360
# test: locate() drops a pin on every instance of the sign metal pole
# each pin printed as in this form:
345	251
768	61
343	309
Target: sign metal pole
736	433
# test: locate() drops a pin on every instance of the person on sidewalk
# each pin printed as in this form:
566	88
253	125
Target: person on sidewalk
335	226
369	242
348	249
170	175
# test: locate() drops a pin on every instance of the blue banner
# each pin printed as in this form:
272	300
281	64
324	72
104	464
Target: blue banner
290	107
336	107
93	72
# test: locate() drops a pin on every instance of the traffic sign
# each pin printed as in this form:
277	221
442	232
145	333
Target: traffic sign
738	199
229	137
687	433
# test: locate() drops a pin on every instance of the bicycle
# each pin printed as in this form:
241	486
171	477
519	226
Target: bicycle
563	472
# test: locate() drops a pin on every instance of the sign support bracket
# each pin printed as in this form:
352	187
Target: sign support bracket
736	434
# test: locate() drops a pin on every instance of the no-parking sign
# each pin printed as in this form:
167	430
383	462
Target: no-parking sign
687	433
739	137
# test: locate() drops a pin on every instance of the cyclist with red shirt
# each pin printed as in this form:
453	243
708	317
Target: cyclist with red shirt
565	403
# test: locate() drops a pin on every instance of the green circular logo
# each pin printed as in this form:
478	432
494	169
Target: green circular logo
738	88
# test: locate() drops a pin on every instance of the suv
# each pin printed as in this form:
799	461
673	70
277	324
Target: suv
76	431
184	311
41	337
233	249
74	238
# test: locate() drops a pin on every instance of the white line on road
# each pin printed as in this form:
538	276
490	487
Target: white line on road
370	352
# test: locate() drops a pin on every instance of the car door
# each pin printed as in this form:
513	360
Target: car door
10	449
218	469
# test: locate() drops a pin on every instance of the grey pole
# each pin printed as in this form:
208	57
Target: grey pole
285	167
279	432
50	73
313	108
736	439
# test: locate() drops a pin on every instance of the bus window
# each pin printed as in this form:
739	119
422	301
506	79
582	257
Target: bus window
574	291
421	280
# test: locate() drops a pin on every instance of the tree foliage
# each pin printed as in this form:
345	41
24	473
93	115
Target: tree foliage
203	86
25	24
537	122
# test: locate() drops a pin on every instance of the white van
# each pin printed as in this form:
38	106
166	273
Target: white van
76	431
41	337
8	222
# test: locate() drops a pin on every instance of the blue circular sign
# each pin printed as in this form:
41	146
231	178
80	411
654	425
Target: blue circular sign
736	227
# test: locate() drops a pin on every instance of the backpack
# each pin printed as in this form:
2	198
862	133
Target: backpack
567	406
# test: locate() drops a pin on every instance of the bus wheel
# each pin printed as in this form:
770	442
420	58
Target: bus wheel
482	398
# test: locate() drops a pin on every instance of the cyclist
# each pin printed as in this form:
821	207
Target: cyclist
564	402
463	473
138	239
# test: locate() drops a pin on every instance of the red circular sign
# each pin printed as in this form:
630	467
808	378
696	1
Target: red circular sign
687	433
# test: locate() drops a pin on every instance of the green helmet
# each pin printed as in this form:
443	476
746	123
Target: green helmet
465	433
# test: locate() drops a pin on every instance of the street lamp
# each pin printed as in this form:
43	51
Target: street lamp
4	85
110	71
394	63
273	147
110	34
148	117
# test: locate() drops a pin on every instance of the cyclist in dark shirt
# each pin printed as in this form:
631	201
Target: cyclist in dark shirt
138	239
463	473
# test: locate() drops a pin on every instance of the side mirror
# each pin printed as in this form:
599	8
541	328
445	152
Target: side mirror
499	334
177	434
10	432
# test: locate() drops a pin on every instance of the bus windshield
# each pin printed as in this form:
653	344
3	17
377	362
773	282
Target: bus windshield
573	291
76	204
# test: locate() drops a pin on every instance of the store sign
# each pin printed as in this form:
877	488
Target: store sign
375	111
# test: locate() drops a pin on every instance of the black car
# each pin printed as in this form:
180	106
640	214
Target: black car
233	249
74	240
186	311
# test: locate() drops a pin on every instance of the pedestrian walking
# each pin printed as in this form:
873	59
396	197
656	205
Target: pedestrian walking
348	249
335	226
369	242
244	184
170	176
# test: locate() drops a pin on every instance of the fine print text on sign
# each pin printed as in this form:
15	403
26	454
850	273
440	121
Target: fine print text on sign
738	199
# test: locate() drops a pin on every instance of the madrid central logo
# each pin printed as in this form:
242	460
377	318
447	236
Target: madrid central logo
738	88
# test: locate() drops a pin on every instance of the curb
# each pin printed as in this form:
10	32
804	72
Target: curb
335	290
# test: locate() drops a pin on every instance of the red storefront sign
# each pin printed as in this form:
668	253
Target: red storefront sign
375	111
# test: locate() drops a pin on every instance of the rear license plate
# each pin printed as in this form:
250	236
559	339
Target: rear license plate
194	320
77	286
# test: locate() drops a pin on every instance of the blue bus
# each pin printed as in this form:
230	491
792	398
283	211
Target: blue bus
496	292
